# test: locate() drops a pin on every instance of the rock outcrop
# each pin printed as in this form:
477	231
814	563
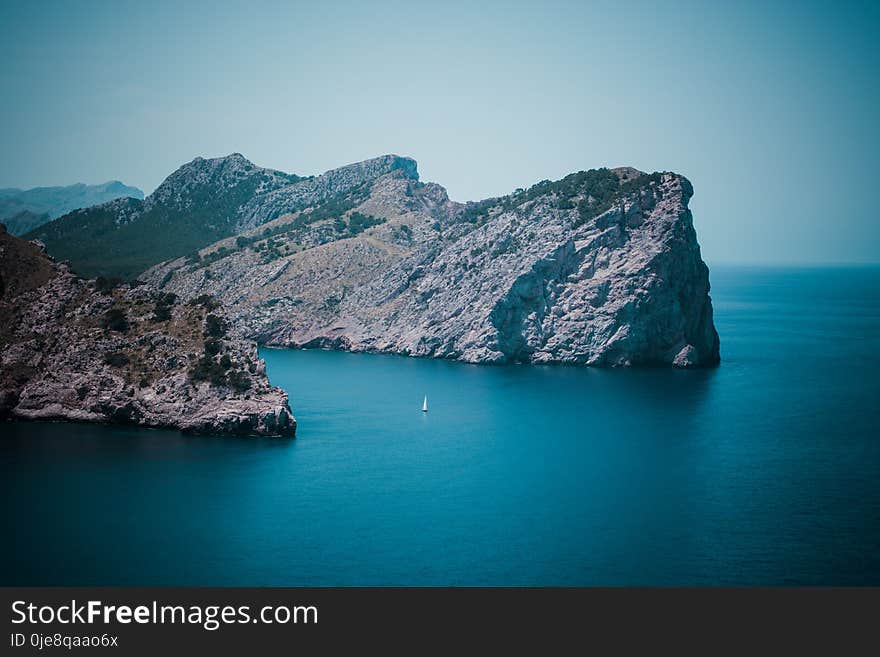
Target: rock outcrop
314	191
600	268
97	351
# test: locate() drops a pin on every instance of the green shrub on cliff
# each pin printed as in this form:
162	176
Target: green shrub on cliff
206	301
115	320
215	327
239	381
116	358
207	369
358	222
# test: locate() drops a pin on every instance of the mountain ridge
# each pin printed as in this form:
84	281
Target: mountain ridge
203	201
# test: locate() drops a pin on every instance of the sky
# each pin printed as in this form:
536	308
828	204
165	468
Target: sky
769	108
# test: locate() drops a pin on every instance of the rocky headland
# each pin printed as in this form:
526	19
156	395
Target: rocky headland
105	351
599	268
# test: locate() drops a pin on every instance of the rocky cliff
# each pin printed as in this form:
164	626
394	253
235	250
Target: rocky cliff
97	351
600	268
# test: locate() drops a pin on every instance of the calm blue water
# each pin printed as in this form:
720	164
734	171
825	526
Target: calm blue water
763	471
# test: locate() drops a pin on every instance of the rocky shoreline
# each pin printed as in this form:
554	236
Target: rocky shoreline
99	351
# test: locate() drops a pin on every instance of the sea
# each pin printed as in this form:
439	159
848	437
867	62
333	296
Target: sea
762	471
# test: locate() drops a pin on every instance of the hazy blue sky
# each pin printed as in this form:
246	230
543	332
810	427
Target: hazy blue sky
771	109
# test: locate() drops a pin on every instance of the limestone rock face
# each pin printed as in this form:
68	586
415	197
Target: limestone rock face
313	191
600	268
88	350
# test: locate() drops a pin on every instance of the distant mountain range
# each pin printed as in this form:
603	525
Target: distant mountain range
601	267
23	210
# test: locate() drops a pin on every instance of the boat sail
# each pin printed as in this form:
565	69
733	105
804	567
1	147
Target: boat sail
425	405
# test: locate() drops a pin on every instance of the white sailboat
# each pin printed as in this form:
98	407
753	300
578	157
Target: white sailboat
425	405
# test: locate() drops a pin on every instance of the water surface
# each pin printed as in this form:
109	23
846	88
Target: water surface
765	470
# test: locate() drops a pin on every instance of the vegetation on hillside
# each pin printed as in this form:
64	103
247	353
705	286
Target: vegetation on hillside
331	220
592	192
124	238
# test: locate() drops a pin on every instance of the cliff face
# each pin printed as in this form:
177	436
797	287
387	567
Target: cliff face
87	350
530	285
601	268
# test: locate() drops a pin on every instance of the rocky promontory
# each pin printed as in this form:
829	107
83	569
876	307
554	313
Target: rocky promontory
105	351
601	267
